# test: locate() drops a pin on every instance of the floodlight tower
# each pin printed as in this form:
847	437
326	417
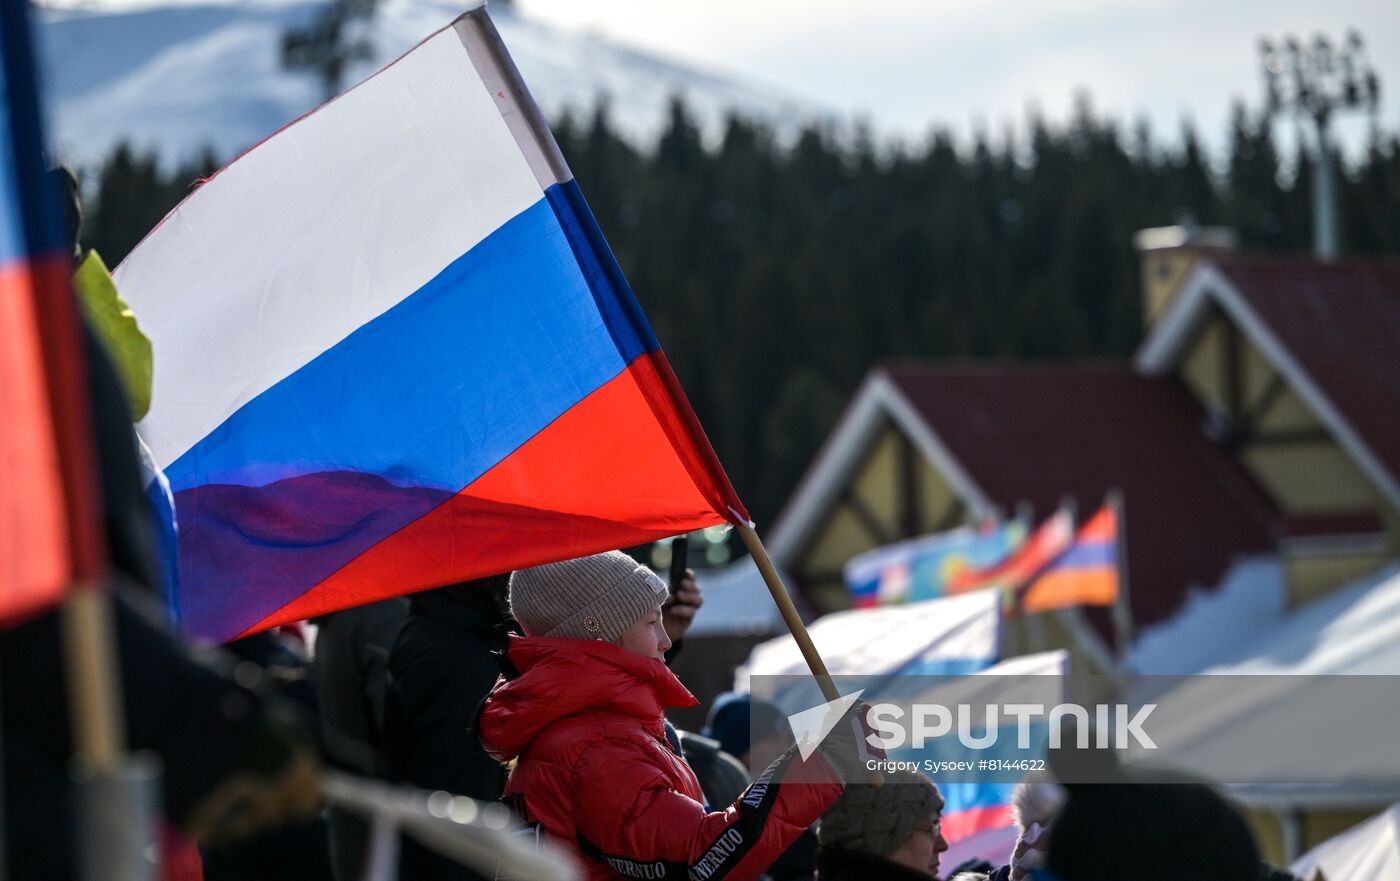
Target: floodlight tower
1314	81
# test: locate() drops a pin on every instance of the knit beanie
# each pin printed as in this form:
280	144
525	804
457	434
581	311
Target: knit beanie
879	820
737	719
595	597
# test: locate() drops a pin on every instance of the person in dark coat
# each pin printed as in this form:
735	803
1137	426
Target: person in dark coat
1140	824
440	669
352	686
750	729
756	732
1149	831
722	777
890	832
220	744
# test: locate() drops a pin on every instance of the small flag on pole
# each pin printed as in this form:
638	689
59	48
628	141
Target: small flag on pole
1042	547
1086	574
922	568
49	537
393	351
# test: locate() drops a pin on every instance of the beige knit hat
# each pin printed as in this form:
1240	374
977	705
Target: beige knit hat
595	597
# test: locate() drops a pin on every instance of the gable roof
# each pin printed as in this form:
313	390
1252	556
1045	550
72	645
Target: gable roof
1042	433
1331	329
1000	435
876	403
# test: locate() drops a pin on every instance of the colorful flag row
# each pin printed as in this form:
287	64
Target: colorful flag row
926	568
1054	567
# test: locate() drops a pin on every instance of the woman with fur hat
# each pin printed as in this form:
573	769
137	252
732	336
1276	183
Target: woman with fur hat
890	831
579	709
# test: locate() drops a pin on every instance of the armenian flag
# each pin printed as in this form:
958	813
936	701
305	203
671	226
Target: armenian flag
393	351
1086	574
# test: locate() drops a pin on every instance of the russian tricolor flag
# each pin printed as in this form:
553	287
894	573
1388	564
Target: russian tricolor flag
50	536
393	351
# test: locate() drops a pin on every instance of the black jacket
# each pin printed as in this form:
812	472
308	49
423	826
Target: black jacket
722	777
191	714
835	864
440	670
352	684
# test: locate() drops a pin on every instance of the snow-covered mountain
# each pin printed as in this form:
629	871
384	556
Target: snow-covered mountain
179	75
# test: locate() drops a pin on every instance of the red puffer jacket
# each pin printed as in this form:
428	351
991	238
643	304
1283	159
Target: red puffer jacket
596	773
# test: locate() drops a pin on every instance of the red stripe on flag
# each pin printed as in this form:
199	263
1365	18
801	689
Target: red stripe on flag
1049	540
65	365
960	825
49	528
35	566
1103	526
673	411
606	467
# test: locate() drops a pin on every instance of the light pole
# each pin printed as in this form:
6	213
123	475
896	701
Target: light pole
1313	81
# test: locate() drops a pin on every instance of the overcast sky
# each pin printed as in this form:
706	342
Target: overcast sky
905	64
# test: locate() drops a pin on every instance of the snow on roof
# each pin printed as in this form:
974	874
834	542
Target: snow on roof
1248	601
1354	631
1242	627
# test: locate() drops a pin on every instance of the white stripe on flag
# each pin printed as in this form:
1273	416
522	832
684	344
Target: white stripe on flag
374	194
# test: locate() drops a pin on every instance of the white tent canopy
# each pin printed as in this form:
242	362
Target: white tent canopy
1367	852
1313	664
958	634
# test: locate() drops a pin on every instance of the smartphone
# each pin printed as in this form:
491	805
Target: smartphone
680	547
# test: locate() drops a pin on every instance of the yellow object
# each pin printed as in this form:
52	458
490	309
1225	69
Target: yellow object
112	320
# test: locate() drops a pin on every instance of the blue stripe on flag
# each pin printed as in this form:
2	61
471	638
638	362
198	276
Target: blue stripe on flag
29	212
158	497
438	389
1084	555
619	307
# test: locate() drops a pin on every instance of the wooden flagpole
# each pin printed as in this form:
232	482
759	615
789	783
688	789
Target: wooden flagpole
1122	608
90	648
788	611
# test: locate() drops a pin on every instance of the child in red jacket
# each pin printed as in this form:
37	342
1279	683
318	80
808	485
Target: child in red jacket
582	715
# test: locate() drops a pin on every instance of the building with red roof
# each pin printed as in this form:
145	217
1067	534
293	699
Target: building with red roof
1261	414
